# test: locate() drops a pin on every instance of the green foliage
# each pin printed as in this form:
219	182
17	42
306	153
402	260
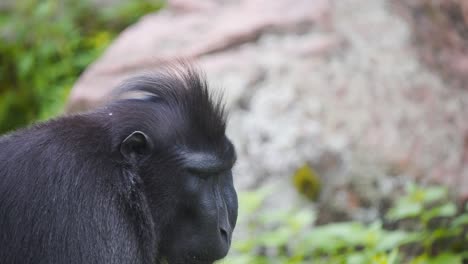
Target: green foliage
45	46
428	230
307	182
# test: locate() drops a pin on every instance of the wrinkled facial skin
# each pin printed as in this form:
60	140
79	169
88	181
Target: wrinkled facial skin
199	213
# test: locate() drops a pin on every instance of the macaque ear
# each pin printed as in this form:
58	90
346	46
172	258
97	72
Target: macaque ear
136	146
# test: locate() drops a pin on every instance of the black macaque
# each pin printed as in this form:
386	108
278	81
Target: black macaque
140	180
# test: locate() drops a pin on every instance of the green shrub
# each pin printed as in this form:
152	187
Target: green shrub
428	230
45	46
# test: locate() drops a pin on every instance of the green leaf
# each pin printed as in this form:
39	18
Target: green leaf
405	209
393	257
445	258
432	194
356	258
460	221
445	210
395	239
25	64
442	232
334	236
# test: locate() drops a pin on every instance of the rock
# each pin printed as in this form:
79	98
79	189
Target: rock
168	35
440	34
307	82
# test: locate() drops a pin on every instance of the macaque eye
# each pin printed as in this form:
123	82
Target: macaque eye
205	165
202	173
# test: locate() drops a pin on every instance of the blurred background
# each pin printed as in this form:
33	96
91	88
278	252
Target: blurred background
350	117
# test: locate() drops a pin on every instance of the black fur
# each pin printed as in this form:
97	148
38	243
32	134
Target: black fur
68	195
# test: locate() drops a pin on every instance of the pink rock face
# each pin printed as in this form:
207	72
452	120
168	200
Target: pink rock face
464	5
335	84
189	30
